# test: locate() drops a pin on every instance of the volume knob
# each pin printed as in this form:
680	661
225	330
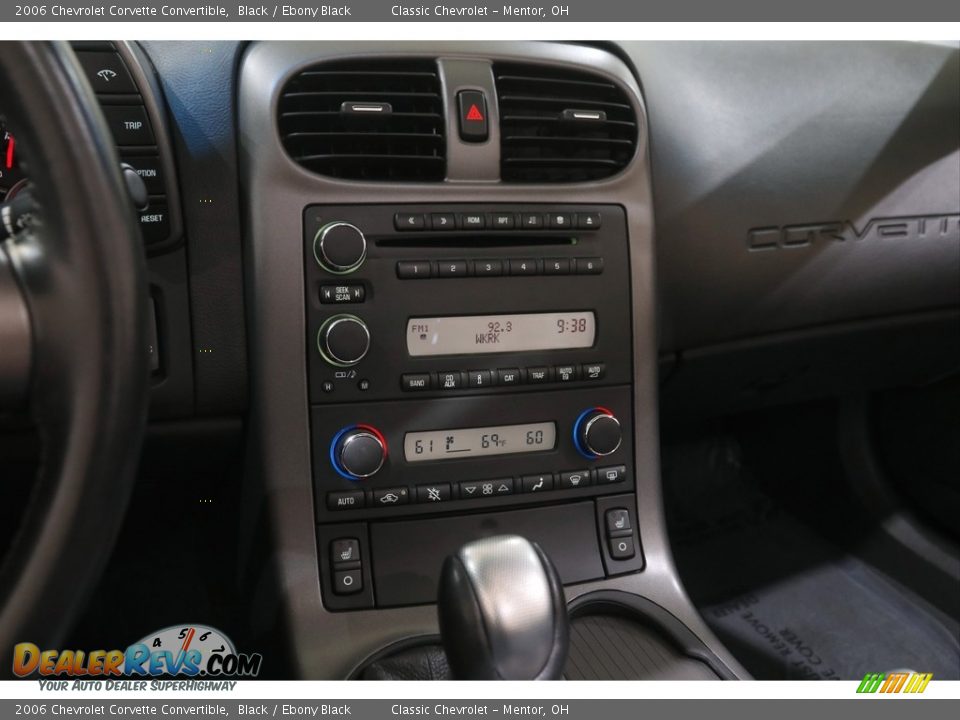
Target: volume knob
597	433
339	247
358	452
343	340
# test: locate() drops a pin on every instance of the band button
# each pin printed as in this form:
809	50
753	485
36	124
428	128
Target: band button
414	382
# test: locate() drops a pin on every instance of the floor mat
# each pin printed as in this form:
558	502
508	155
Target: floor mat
827	615
766	568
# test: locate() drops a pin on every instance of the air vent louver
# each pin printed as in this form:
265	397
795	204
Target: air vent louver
366	120
559	125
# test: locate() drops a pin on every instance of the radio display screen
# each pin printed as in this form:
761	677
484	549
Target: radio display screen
472	442
482	334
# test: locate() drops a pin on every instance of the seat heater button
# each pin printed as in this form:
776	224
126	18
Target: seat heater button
618	522
345	550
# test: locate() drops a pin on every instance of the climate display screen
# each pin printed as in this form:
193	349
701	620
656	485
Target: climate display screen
471	442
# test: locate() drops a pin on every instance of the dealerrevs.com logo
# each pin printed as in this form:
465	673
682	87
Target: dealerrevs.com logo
180	650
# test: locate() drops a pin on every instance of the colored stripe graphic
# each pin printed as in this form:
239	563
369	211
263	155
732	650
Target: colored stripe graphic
894	683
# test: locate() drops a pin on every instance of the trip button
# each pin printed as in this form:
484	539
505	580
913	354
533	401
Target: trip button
128	124
574	479
413	382
350	500
385	497
347	582
537	483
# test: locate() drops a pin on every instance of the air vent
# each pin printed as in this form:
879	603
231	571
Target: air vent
366	120
559	125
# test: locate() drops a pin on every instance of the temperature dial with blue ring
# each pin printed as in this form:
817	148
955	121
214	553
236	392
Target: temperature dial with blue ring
597	433
358	452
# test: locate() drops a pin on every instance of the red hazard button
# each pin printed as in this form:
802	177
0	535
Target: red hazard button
473	115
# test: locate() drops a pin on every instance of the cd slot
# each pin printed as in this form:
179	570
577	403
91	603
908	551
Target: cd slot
474	241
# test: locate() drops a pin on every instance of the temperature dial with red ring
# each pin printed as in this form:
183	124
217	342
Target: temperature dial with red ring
597	433
358	452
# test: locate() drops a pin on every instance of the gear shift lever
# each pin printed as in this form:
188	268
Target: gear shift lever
503	615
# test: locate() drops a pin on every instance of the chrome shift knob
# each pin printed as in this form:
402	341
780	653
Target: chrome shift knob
502	611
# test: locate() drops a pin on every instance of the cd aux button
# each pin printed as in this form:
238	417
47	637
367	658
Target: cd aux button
450	380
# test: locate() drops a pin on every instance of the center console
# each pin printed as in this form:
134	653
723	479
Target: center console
467	358
451	313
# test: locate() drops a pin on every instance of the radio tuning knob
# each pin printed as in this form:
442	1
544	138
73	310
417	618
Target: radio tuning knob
358	451
597	433
339	247
343	340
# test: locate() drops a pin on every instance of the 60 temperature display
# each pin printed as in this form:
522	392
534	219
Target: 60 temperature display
471	442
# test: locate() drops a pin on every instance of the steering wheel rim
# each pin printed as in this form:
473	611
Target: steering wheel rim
80	277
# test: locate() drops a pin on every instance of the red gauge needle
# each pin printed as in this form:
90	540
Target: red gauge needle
10	145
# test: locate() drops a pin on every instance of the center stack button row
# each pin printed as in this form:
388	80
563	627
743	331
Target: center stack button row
497	221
